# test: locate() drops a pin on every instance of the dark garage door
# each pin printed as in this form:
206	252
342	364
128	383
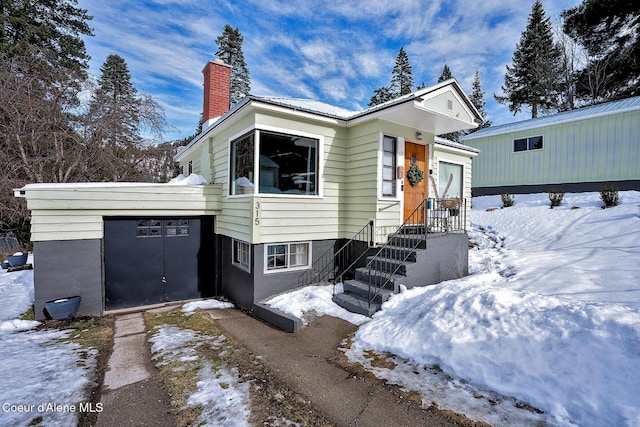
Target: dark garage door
155	260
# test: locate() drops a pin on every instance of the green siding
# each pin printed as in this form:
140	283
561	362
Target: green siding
603	148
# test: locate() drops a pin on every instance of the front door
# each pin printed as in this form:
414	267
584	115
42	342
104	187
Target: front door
416	193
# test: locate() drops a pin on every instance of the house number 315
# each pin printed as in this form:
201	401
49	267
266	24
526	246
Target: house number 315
257	220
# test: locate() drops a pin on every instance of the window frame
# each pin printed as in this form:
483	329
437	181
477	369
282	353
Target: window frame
287	256
462	172
394	167
527	143
237	245
256	132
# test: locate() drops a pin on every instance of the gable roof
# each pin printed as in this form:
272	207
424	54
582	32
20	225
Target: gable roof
584	113
393	110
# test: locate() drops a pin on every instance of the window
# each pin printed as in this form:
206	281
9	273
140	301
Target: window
149	228
525	144
288	164
287	256
242	254
389	156
190	167
241	167
155	227
177	227
450	171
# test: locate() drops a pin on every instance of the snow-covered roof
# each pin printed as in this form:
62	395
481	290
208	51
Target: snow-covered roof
308	105
448	143
322	109
614	107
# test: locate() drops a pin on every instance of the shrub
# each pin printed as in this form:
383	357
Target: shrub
609	195
555	196
507	200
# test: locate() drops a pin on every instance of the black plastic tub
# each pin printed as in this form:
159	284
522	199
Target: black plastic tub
63	308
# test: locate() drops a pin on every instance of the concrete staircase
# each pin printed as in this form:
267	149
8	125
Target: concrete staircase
364	294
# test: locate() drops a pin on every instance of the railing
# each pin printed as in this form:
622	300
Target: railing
447	216
399	247
332	266
431	216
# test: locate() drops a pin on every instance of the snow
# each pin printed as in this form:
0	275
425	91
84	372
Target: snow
40	376
549	318
225	400
208	304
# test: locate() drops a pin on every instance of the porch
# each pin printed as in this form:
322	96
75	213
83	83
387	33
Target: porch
431	246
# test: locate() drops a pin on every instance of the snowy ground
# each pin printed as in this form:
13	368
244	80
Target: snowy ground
549	318
40	376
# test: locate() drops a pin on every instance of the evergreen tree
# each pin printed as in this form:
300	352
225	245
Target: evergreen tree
401	81
230	51
532	79
609	31
402	75
381	95
116	99
446	74
477	99
117	120
55	27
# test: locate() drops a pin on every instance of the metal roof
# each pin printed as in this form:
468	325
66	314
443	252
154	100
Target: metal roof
608	108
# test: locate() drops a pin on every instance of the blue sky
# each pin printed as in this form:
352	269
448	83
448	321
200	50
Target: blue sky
337	52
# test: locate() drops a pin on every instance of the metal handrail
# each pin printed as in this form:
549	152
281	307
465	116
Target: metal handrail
330	266
411	234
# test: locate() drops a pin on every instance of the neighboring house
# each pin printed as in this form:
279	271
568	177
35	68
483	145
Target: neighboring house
290	182
577	150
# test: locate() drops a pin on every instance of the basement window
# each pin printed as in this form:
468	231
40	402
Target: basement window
527	144
242	254
287	256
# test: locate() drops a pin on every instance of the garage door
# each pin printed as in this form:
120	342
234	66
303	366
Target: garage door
156	260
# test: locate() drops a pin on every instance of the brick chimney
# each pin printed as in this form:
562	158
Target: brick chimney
217	89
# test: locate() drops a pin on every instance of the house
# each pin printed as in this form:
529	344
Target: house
577	150
297	192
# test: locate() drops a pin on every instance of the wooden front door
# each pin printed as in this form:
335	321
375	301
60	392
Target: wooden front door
414	195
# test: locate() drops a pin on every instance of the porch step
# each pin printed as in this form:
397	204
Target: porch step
397	252
417	241
362	275
387	265
413	229
356	304
355	287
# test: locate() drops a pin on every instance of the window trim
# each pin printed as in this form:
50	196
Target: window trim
398	159
287	255
394	166
239	263
256	137
463	171
528	143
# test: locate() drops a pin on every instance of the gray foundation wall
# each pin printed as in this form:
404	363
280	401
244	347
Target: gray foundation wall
246	287
67	268
445	258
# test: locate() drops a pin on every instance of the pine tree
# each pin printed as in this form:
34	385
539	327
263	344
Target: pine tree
477	99
116	98
230	51
446	74
402	75
401	81
609	32
381	95
53	27
532	78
